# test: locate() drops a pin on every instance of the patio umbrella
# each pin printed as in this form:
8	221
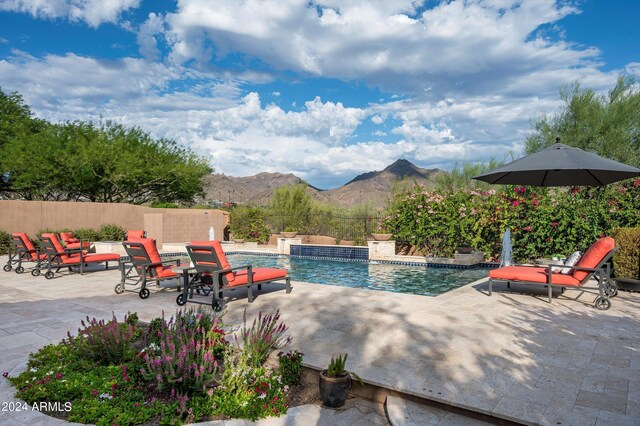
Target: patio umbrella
560	165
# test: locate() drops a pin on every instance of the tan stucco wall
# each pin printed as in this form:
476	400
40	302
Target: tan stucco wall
165	225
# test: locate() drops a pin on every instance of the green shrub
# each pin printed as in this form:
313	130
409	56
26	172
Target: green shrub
165	205
626	261
5	242
110	232
249	223
290	366
87	234
250	393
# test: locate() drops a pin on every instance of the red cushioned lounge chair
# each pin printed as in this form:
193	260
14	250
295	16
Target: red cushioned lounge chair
59	256
23	250
593	264
215	275
145	261
73	243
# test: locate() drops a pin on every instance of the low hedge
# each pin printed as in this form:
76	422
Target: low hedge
626	261
5	240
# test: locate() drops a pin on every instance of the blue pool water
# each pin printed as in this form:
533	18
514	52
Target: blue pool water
374	276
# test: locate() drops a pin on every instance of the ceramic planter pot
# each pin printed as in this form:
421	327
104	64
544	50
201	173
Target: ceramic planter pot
288	234
334	390
381	237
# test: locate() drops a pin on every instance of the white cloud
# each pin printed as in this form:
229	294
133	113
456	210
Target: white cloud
93	12
376	119
146	36
472	46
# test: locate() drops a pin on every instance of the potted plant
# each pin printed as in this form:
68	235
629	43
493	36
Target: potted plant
382	232
335	382
289	232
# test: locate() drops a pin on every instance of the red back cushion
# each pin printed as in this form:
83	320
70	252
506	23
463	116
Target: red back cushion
134	234
57	245
27	243
593	256
222	259
150	246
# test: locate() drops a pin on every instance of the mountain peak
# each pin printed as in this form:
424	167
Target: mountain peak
399	170
402	168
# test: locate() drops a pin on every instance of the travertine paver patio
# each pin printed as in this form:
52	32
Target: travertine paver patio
512	355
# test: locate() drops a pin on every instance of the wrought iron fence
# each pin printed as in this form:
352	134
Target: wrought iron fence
357	228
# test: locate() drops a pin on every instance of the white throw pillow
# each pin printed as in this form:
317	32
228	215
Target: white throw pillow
557	269
571	261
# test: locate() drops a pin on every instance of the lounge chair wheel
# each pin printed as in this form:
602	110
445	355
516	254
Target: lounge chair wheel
7	268
119	288
144	293
35	272
19	270
48	275
180	300
603	303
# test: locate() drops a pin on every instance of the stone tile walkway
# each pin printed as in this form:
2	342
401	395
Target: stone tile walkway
512	356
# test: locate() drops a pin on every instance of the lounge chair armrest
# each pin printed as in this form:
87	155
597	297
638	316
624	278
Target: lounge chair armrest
582	268
239	267
71	251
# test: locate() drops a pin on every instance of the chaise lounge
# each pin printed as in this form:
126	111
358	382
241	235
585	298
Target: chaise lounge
73	243
592	264
214	275
22	250
59	256
145	261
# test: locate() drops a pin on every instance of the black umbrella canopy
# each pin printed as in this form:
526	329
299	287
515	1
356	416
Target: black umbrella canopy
560	165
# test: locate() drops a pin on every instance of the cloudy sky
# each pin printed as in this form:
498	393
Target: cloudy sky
325	89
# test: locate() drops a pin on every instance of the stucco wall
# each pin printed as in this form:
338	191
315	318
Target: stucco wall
165	225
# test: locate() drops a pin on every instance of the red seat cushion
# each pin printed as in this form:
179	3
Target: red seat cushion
258	275
532	274
166	272
74	246
594	256
92	258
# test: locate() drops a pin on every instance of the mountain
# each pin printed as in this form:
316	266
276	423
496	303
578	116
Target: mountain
373	188
376	187
256	189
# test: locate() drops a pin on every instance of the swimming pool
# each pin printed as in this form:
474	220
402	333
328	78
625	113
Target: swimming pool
374	276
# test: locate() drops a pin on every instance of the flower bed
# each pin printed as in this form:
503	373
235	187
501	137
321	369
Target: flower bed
184	369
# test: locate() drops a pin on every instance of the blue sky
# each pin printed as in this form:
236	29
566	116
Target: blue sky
323	89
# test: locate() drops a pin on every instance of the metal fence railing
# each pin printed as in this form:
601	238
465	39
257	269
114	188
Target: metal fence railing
354	228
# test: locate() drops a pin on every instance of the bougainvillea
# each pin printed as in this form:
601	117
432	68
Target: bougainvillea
543	221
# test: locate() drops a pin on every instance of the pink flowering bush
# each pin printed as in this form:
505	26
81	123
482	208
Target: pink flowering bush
265	335
164	372
104	341
542	221
188	355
